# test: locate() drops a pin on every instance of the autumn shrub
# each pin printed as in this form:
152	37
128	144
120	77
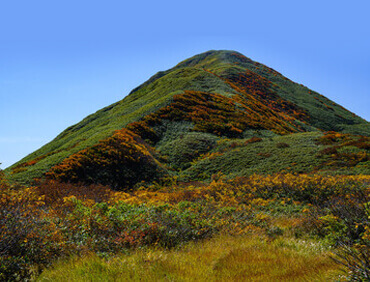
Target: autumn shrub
253	140
345	150
264	155
54	192
233	145
33	229
104	228
329	151
331	137
343	221
363	144
345	156
282	145
142	129
120	161
353	251
356	260
42	223
28	238
219	115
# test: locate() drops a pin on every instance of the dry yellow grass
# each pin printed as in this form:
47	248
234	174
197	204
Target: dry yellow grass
224	258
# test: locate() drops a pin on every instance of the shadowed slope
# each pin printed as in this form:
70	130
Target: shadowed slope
119	161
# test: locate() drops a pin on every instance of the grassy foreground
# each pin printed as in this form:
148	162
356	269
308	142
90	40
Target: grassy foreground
269	228
223	258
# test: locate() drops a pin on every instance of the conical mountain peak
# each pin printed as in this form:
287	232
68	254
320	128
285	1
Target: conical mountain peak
184	113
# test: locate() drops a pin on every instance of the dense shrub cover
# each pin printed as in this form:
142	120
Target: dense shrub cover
125	159
240	94
41	223
345	150
223	116
29	240
216	114
182	151
120	161
198	155
254	85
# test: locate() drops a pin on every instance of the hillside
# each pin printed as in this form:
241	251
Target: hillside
217	111
219	169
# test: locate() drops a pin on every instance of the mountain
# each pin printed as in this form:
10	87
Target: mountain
218	111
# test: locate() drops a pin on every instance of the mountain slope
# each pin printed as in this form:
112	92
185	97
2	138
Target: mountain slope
219	94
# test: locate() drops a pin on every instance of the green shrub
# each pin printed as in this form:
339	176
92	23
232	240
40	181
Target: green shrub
182	151
282	145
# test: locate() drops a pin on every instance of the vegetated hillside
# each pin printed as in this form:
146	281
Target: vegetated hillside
217	111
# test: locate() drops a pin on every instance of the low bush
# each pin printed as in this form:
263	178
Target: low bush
282	145
119	161
28	236
182	151
40	224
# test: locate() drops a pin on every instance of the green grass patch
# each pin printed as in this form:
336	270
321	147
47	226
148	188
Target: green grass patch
223	258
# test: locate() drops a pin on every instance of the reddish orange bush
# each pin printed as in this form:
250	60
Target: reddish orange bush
119	161
253	140
220	115
260	91
142	129
338	142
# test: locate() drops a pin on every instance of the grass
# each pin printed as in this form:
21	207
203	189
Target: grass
325	113
103	123
189	146
261	157
199	73
266	228
224	258
294	153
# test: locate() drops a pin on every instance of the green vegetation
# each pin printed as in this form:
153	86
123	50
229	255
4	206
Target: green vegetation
217	169
103	123
295	153
119	161
182	151
295	217
200	147
223	258
227	73
239	157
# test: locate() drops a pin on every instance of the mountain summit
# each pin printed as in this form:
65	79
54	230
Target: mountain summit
218	111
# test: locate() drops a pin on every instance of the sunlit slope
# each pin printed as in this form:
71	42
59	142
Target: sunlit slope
269	101
324	113
103	123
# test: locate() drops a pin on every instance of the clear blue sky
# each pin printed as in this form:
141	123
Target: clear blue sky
62	60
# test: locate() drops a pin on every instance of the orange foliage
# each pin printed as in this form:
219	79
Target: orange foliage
40	224
253	85
217	114
245	190
119	161
55	192
142	129
337	141
253	140
331	137
125	159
